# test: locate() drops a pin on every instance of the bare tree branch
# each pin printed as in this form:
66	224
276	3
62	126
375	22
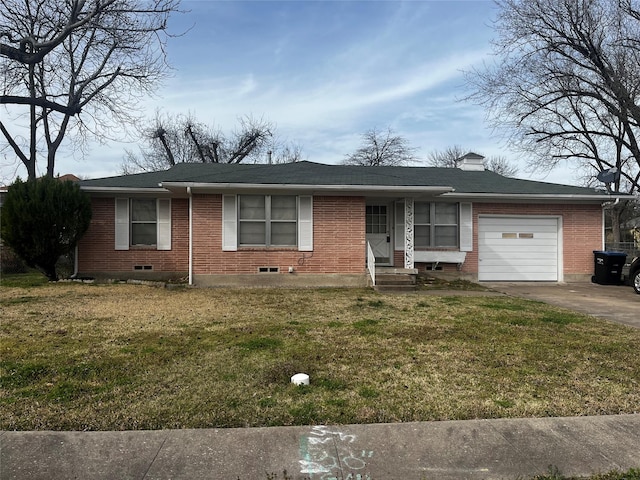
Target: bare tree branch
161	134
382	148
40	102
565	85
185	140
81	66
448	158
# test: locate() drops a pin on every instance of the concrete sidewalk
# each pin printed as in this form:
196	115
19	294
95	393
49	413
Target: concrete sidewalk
506	449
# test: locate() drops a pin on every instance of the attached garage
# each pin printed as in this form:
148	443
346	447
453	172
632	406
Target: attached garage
519	249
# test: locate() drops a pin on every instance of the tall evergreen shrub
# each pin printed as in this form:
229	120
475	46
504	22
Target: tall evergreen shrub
44	219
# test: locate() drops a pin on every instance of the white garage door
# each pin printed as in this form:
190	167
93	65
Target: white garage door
518	249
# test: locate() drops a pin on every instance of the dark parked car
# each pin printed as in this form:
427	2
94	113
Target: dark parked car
634	274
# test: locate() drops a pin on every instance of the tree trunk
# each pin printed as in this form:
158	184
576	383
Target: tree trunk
31	170
31	166
161	133
616	213
49	271
192	136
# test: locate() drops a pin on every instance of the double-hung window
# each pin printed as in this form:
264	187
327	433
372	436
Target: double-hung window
267	220
436	224
144	221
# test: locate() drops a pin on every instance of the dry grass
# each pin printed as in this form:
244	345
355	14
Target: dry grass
96	357
631	474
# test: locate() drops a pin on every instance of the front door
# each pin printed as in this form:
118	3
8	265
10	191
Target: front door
378	233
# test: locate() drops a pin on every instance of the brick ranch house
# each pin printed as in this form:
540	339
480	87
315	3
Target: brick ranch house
309	224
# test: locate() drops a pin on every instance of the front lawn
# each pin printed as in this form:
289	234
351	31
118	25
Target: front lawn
110	357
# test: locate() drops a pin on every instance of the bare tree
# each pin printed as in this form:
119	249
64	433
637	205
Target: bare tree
446	158
501	166
565	85
449	157
631	8
176	139
285	152
78	66
382	148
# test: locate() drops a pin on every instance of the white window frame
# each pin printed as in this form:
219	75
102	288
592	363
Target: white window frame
133	222
433	225
230	224
268	222
123	223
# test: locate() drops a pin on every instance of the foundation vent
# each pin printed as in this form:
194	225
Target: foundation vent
143	267
268	269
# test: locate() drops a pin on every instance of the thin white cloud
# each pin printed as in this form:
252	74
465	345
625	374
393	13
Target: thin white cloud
292	103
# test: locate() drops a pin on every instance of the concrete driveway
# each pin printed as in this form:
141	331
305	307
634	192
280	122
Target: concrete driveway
618	303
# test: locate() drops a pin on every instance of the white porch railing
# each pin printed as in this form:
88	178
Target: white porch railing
371	263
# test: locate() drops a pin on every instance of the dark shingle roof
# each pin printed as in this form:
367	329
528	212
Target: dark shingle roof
309	174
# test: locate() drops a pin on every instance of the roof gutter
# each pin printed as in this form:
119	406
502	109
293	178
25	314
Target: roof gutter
236	187
533	196
123	190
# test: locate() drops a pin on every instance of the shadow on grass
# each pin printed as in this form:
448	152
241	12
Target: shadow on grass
23	280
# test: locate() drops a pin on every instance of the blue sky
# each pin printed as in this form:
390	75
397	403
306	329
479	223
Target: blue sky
324	73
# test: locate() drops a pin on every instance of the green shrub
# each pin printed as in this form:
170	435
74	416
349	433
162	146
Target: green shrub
10	262
44	219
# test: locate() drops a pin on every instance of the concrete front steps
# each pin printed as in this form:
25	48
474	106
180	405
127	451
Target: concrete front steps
389	279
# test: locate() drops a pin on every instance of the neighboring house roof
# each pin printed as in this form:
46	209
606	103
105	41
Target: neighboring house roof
69	177
450	182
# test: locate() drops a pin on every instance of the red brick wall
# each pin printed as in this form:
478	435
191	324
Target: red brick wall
97	253
581	233
338	241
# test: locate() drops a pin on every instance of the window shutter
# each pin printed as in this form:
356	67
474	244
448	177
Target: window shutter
229	223
399	229
466	227
305	223
122	224
164	224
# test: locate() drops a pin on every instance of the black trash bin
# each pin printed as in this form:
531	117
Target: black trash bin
608	267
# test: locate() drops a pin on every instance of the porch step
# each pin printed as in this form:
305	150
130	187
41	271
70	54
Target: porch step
396	271
395	280
395	288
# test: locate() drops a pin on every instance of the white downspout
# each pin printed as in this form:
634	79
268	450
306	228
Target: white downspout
190	235
75	262
604	228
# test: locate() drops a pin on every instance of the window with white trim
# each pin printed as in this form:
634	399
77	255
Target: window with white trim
436	224
144	221
267	220
376	219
